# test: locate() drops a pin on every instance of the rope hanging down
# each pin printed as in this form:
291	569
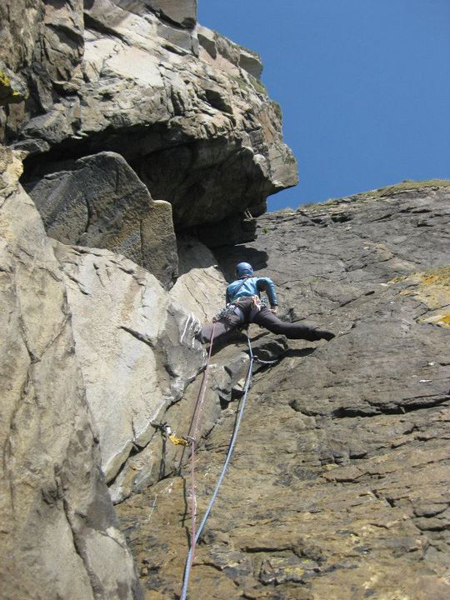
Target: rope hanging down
193	440
196	536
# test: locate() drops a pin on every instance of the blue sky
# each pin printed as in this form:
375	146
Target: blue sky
364	86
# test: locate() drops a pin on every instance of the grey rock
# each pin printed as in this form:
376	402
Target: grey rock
340	475
251	62
347	248
182	12
206	39
200	285
178	37
12	89
41	54
60	536
146	344
199	291
192	120
161	457
233	230
100	202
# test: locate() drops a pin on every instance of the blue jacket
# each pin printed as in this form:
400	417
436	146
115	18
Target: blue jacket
252	286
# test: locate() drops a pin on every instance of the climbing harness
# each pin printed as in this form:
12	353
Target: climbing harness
235	308
231	302
195	536
231	307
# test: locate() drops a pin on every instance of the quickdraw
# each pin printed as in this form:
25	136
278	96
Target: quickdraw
170	435
178	441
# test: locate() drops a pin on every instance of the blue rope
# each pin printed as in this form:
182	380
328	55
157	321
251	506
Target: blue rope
187	570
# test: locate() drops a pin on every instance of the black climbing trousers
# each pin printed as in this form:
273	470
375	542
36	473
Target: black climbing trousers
293	331
264	317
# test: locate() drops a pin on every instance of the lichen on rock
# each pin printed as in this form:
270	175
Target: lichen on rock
150	146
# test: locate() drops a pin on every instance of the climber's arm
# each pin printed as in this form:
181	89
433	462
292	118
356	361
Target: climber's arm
265	284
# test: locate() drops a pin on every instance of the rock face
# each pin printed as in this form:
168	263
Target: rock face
104	355
200	287
339	482
183	13
42	47
183	105
138	360
340	479
112	103
100	202
59	533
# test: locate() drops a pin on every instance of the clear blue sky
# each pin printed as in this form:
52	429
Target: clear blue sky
364	86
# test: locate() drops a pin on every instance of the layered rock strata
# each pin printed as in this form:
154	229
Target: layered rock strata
182	104
338	486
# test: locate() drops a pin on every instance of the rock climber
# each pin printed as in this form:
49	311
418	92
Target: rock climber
244	306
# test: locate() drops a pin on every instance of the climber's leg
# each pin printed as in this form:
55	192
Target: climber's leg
222	328
293	331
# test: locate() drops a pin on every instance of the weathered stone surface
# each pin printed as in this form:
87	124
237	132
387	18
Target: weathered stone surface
161	457
200	286
340	476
100	202
182	12
42	47
135	346
199	290
12	89
207	39
368	240
59	534
194	121
251	62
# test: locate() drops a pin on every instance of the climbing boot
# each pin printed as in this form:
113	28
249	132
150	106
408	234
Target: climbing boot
323	334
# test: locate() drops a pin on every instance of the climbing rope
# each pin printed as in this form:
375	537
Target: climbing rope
193	439
195	536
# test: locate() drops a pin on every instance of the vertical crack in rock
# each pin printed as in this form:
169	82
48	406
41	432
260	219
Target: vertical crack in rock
77	545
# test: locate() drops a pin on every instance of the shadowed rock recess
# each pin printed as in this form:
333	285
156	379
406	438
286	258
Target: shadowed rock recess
137	149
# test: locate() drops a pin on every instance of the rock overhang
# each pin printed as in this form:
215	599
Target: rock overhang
181	103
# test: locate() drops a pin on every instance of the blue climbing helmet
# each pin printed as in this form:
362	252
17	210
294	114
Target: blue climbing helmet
244	269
